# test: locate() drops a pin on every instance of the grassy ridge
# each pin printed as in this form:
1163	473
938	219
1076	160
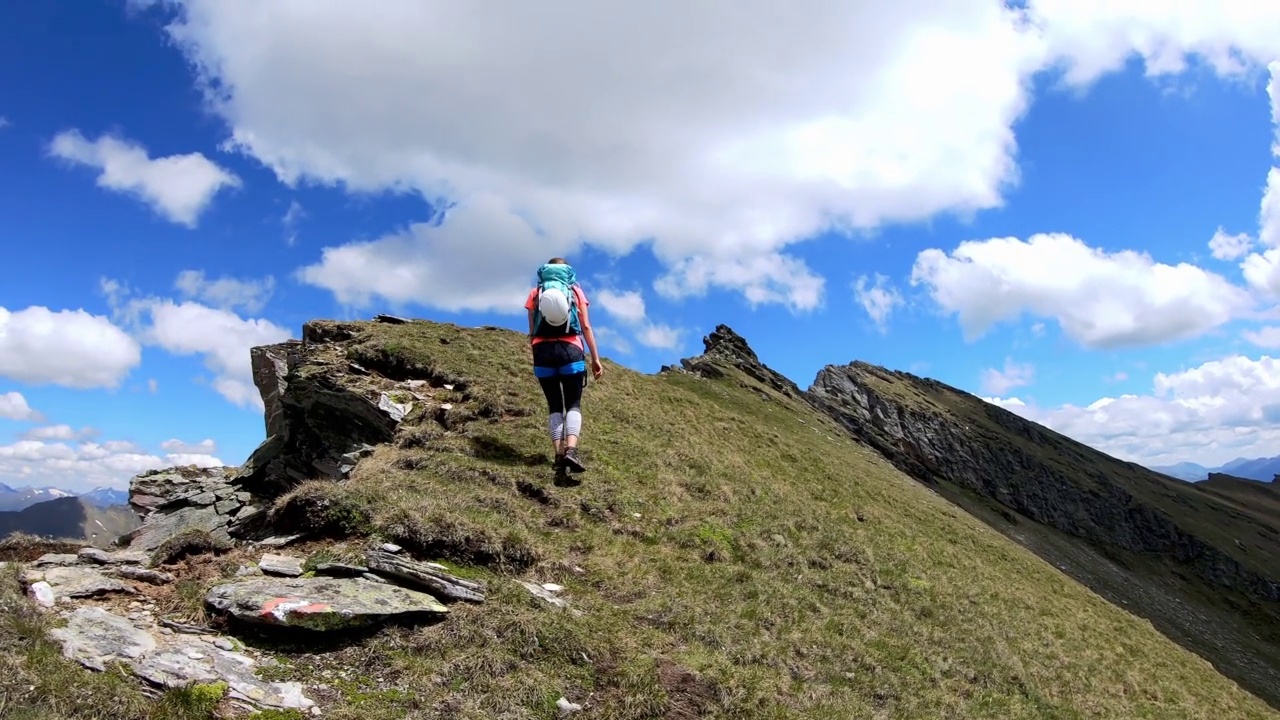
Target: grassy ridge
730	554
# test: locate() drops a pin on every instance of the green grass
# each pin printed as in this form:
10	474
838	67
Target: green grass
739	558
726	556
37	683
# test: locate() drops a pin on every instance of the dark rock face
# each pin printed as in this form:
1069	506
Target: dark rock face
724	345
317	410
933	447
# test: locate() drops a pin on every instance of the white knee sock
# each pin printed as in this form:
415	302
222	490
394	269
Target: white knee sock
555	424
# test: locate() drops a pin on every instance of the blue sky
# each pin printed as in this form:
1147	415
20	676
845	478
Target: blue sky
183	180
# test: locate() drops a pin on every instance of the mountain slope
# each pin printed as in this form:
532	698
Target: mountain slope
69	518
731	553
1258	498
1189	471
1200	568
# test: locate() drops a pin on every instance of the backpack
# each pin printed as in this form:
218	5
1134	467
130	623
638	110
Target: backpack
555	312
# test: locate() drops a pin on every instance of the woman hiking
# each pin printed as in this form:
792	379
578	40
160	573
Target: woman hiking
558	324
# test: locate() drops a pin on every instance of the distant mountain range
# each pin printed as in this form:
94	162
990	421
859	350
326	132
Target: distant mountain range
70	518
1261	469
12	499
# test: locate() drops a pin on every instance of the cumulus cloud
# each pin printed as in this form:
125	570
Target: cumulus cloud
878	297
626	306
72	348
204	447
221	337
178	187
750	133
1230	247
1000	381
13	406
1211	413
81	466
225	292
1101	299
1266	337
59	432
629	308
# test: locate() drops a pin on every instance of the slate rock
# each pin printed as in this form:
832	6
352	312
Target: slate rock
151	577
94	637
123	557
52	559
183	660
285	565
76	582
341	570
424	575
320	603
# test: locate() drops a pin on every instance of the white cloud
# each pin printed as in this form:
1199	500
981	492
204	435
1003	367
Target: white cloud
1265	337
626	306
481	258
153	386
82	466
220	336
999	382
629	308
611	340
71	348
178	187
1117	376
658	335
226	293
748	134
1101	299
1006	403
13	406
4	122
878	299
292	217
204	447
1230	247
1209	414
59	432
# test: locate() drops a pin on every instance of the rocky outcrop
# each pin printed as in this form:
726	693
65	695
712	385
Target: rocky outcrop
321	411
180	499
1023	466
726	348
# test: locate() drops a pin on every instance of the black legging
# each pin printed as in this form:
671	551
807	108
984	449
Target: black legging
563	389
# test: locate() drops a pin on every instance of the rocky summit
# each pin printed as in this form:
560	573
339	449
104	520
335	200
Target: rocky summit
878	545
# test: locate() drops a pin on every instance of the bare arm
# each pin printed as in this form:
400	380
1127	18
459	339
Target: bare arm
589	335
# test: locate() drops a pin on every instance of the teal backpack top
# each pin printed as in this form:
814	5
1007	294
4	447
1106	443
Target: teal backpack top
555	282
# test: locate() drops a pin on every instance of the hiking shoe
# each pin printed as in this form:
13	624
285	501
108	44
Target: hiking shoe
558	463
572	462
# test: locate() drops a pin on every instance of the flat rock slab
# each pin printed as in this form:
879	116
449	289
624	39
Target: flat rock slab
430	576
81	582
286	565
52	559
182	660
102	557
94	637
320	603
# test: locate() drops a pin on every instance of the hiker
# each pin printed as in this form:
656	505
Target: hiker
558	324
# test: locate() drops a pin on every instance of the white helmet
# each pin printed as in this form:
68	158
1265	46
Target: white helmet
554	306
